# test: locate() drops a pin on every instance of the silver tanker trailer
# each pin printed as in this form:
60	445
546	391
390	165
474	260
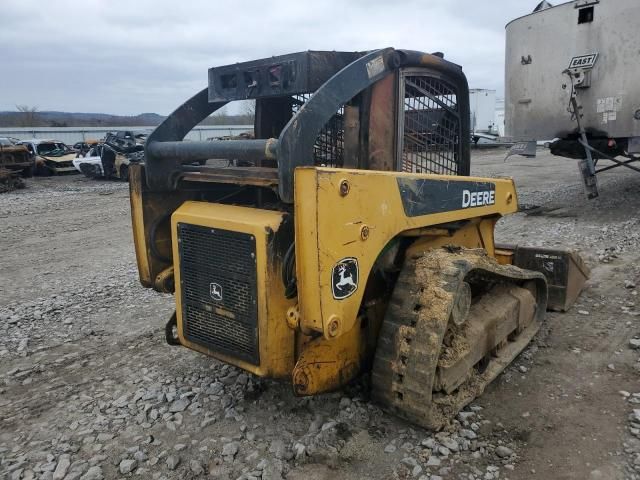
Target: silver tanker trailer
573	78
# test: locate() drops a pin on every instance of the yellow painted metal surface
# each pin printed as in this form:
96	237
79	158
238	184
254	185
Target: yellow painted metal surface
504	256
276	339
137	222
150	215
478	233
354	214
339	214
326	365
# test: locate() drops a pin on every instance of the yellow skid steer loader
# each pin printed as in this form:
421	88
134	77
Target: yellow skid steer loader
346	237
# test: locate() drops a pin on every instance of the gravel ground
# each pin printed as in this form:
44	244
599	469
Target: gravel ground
89	389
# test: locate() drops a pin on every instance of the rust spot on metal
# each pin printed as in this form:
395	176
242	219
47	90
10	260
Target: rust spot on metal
382	125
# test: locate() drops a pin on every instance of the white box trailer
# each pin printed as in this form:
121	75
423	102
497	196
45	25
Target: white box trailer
581	56
482	104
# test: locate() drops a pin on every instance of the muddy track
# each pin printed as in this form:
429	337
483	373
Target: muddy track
420	316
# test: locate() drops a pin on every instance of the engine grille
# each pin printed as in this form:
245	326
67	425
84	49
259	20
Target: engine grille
219	290
430	135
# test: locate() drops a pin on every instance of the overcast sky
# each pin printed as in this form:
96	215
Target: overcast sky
129	57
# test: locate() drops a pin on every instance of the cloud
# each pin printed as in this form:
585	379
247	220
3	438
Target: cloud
128	57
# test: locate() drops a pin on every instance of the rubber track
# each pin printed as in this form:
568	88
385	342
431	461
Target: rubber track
413	330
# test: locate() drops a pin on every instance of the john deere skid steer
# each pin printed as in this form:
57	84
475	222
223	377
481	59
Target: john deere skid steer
346	237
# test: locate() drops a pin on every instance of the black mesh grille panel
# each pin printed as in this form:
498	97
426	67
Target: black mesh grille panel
229	336
219	290
328	149
431	127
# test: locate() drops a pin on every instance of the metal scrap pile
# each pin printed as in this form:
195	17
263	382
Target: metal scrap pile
10	180
125	142
15	157
111	157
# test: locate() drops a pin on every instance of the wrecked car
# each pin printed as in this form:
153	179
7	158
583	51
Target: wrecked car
125	141
50	157
10	180
102	158
15	158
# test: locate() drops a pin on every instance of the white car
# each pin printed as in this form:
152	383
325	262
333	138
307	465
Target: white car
91	165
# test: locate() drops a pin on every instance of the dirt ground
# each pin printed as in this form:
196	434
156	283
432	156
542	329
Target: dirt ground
90	390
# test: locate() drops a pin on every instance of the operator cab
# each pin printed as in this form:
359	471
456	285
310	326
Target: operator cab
322	109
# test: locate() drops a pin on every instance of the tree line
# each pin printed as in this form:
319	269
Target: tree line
32	116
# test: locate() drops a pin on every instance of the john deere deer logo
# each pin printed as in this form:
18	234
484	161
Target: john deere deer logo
344	278
215	290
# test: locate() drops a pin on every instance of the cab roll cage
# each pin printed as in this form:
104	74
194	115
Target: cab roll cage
332	79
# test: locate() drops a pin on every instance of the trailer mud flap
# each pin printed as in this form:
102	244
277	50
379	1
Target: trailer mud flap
525	149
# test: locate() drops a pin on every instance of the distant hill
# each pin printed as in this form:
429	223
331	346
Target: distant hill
72	119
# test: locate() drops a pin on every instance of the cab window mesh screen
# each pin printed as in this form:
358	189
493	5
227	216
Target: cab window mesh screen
430	139
328	149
